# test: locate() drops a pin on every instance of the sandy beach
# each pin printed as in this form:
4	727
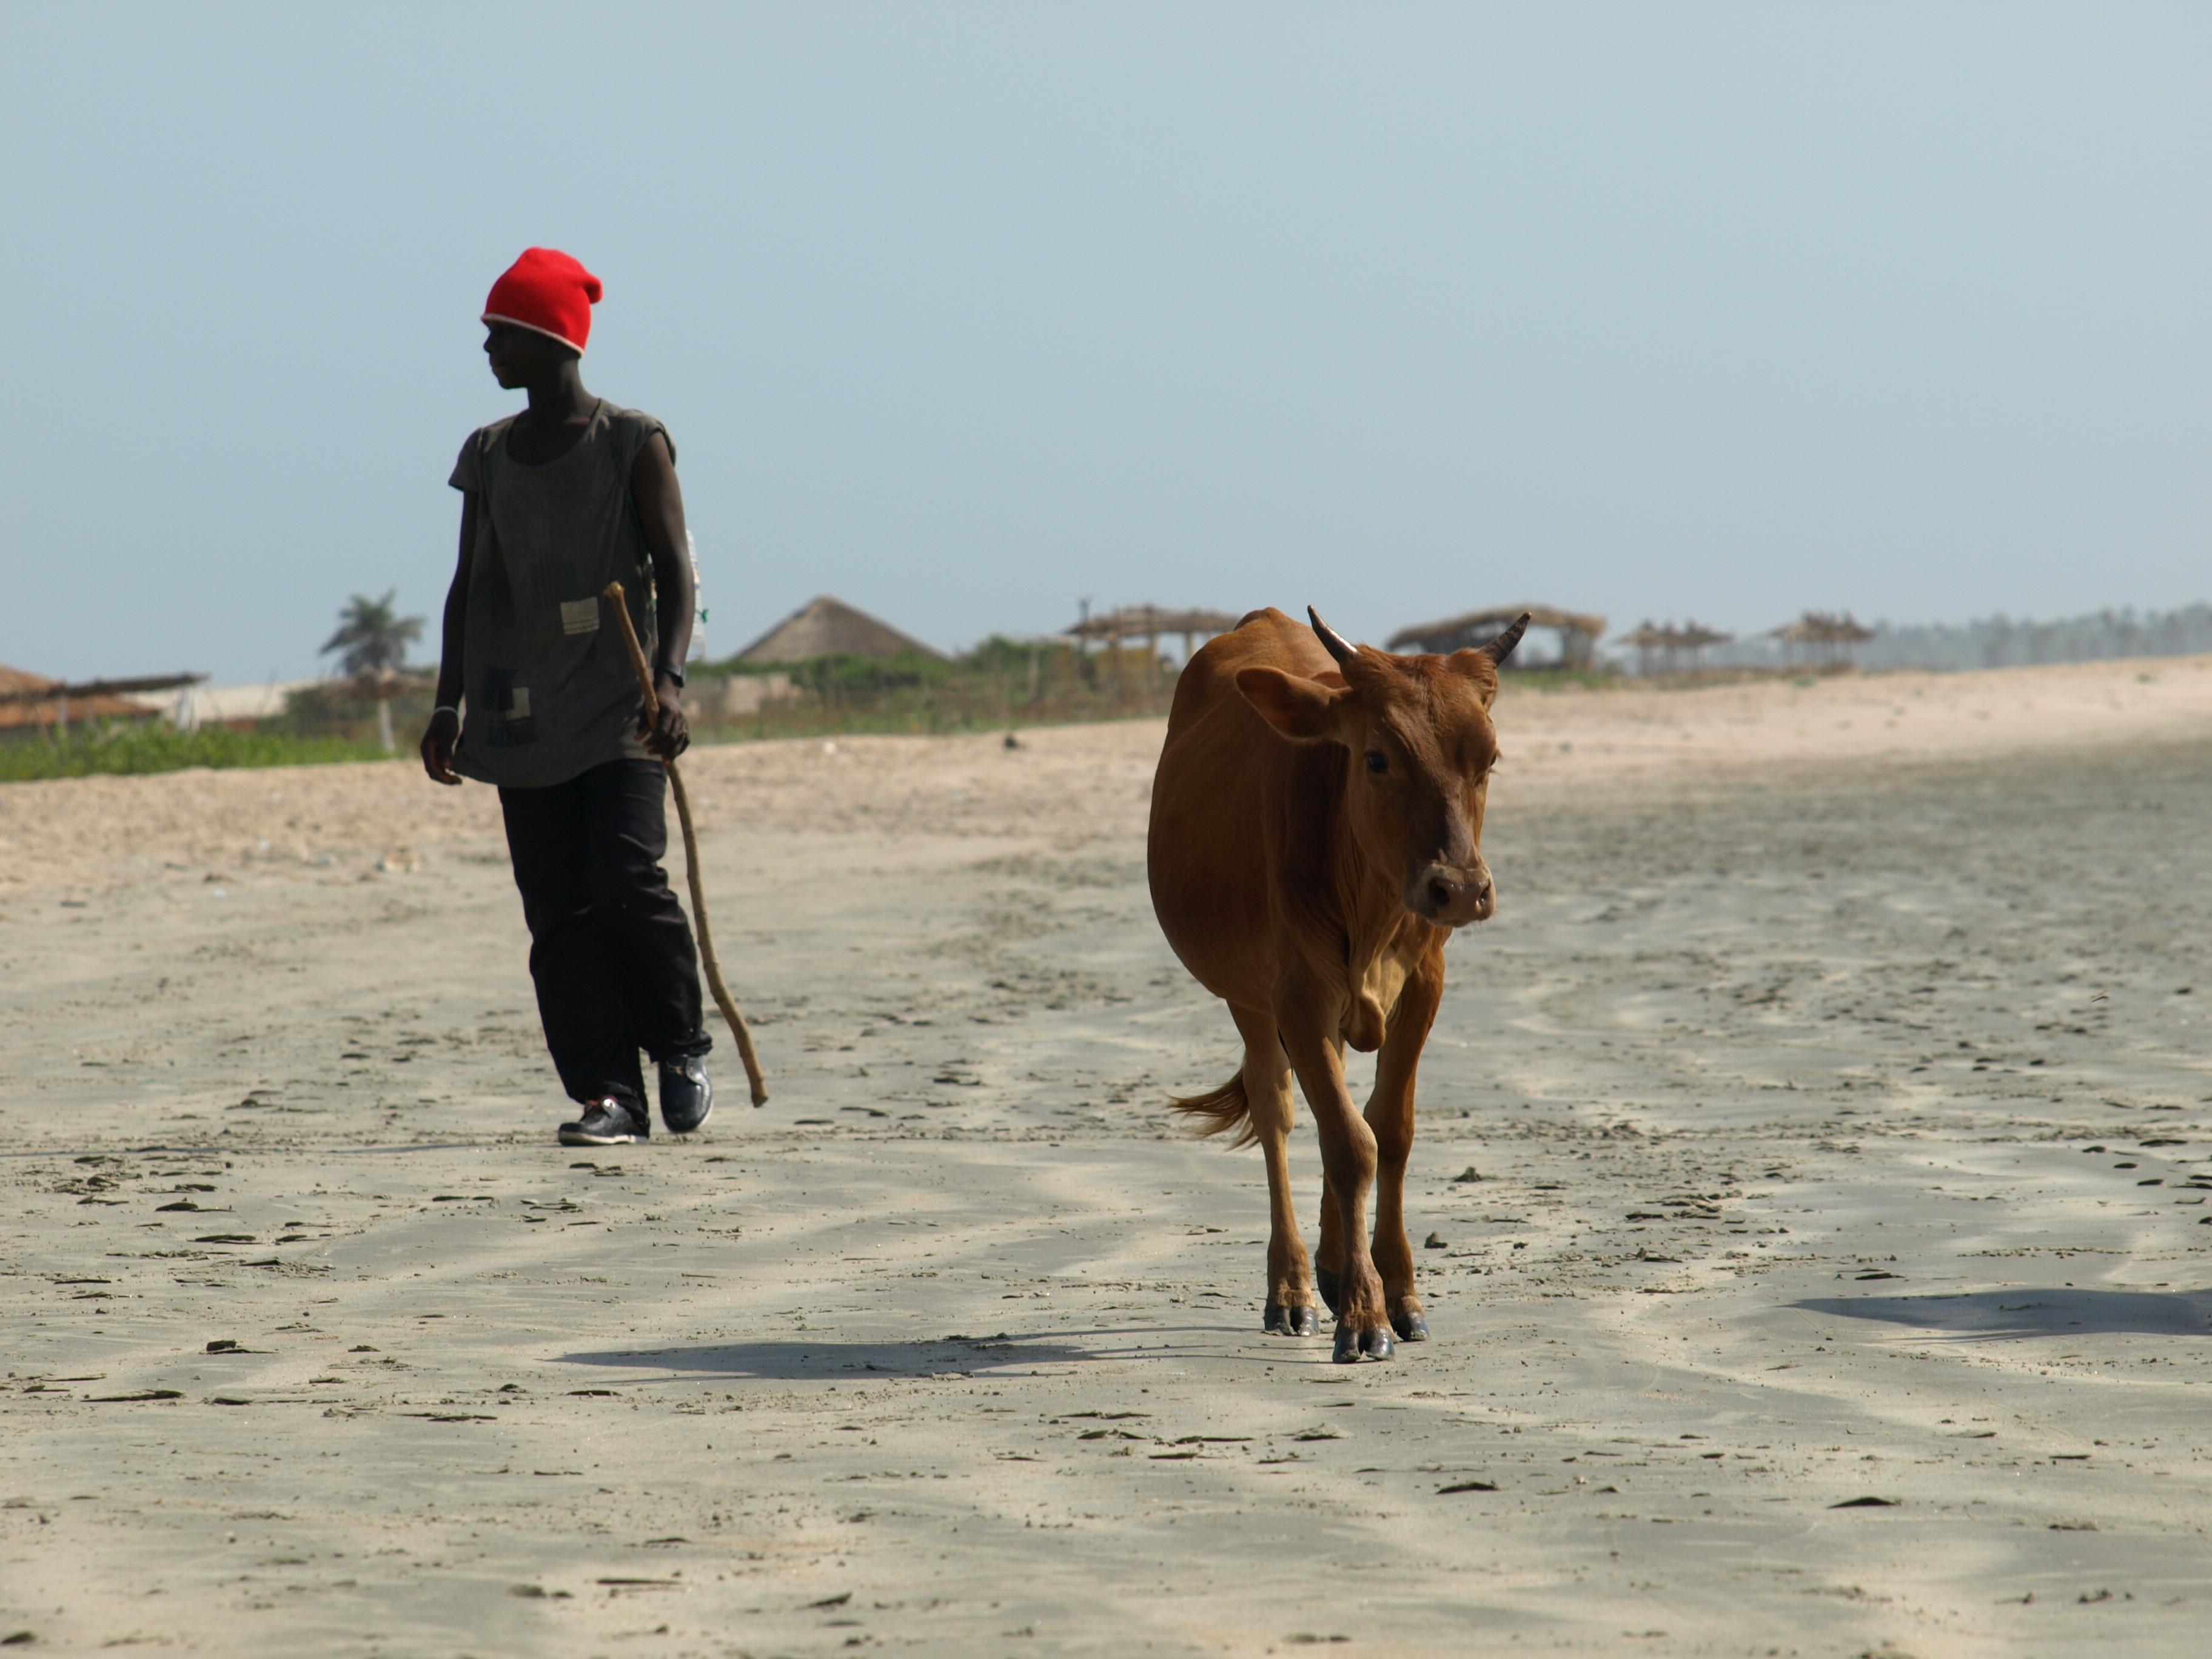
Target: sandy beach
1815	1171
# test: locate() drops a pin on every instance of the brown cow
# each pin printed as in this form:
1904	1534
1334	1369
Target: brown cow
1316	823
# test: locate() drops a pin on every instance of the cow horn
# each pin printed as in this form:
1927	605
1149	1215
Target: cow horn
1333	639
1502	647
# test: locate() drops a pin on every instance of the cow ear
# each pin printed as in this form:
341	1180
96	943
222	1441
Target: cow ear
1302	710
1477	665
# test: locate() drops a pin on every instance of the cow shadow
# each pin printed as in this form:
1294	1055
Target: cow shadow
792	1358
2005	1315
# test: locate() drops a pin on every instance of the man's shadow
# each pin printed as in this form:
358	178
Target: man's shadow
1999	1315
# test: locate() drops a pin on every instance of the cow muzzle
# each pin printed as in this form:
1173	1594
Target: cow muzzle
1452	896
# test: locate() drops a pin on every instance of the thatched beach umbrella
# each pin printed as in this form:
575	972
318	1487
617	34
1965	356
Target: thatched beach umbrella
1671	643
1824	636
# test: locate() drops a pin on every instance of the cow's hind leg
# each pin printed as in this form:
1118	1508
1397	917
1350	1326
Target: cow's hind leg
1328	1269
1390	1115
1290	1310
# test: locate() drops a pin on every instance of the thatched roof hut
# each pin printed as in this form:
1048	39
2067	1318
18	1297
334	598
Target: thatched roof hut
27	699
1578	631
1150	622
827	626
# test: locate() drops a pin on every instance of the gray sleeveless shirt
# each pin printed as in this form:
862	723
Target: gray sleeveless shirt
548	691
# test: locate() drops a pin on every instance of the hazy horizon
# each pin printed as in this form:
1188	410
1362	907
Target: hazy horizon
964	313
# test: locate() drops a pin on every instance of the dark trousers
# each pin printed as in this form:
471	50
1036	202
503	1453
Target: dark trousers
610	950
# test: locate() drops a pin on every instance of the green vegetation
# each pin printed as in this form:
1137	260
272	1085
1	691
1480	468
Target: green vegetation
1556	679
349	709
831	676
154	747
1001	684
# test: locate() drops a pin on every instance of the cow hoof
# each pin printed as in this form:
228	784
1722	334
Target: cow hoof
1410	1327
1307	1320
1329	1286
1281	1320
1354	1346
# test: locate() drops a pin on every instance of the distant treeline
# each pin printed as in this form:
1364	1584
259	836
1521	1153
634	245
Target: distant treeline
2003	641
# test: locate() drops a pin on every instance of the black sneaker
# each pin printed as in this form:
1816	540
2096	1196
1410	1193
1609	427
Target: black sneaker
687	1094
608	1122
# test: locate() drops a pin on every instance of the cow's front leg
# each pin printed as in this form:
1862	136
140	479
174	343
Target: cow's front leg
1348	1154
1390	1115
1290	1310
1328	1259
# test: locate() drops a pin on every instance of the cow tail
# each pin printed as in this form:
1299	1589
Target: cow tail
1219	1110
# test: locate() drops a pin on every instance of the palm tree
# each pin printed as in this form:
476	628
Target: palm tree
374	643
371	637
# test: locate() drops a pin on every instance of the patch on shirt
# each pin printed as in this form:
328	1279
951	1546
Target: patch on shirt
508	723
579	617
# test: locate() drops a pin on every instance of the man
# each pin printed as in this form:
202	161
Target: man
536	694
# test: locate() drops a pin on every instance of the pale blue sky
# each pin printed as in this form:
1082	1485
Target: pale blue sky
964	311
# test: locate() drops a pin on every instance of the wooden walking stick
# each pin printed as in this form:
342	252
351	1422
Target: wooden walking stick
723	1000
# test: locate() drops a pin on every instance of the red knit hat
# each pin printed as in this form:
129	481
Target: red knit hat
548	292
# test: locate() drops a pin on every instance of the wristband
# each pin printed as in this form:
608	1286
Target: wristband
676	674
445	709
